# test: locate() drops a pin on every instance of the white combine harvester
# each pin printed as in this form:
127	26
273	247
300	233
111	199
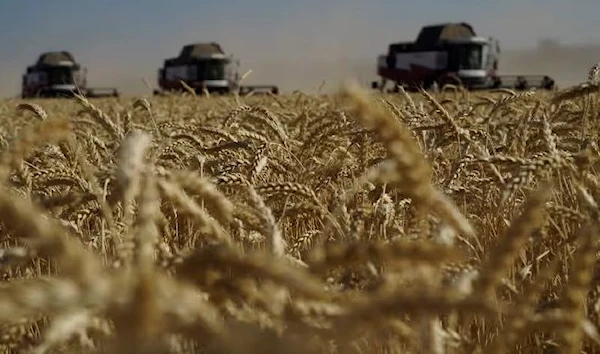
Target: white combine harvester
205	66
450	53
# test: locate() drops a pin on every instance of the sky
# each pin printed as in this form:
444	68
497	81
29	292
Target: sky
294	44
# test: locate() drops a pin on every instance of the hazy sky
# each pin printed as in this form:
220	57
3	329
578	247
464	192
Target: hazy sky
293	44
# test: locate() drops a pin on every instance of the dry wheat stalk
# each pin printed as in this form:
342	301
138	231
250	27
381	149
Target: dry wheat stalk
215	203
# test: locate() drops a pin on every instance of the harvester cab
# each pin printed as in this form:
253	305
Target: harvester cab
204	66
451	53
54	74
472	61
57	74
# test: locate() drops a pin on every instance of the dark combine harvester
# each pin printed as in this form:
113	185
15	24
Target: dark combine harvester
205	66
450	53
57	74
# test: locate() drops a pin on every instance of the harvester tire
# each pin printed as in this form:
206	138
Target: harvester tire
548	83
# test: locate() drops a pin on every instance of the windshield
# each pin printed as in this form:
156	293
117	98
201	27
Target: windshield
470	57
60	76
212	69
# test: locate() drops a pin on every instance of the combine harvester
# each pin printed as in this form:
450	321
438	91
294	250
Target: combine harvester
450	53
57	74
205	66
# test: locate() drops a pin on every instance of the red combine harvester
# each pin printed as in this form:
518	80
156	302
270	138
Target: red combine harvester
205	66
57	74
450	53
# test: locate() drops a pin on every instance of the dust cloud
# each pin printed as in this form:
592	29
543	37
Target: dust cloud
567	64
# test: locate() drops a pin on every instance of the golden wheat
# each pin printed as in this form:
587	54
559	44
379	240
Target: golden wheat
443	222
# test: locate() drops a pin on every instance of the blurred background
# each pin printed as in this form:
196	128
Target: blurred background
293	44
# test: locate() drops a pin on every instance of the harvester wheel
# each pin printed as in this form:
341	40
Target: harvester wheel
496	82
521	83
428	84
547	83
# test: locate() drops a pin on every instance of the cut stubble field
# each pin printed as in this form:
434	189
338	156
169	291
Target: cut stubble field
442	222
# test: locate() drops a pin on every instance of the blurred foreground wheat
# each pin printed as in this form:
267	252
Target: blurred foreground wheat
359	223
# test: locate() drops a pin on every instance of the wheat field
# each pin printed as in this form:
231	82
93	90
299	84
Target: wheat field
360	222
